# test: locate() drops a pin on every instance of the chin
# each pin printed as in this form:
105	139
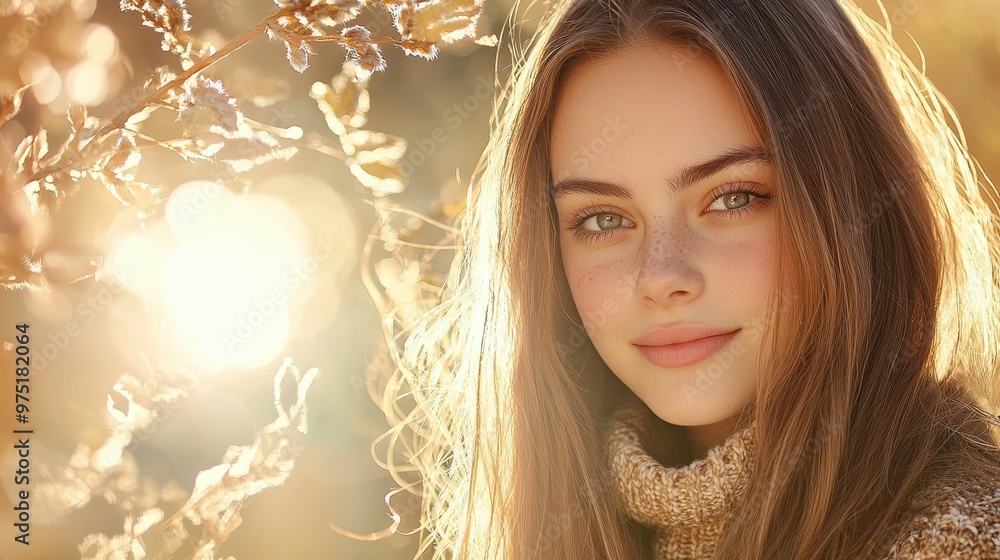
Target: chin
683	409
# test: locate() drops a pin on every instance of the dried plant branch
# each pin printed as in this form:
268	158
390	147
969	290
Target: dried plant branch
121	118
215	129
353	42
212	511
136	404
86	155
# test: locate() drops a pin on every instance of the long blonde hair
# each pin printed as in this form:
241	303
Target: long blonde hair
883	380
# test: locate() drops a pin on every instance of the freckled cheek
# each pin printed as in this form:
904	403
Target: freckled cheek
595	287
749	265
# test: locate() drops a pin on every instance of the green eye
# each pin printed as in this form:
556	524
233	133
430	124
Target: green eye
605	222
736	200
609	221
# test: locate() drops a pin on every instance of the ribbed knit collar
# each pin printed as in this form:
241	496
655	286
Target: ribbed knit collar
664	493
690	503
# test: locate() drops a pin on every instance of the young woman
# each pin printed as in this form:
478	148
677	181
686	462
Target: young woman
728	289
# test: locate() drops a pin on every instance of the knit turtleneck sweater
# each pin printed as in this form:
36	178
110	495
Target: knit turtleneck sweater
689	503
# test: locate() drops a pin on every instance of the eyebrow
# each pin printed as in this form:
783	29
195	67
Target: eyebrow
682	180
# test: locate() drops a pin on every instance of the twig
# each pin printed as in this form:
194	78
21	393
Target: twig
350	42
222	53
119	120
428	219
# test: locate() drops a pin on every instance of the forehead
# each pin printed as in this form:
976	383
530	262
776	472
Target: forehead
645	111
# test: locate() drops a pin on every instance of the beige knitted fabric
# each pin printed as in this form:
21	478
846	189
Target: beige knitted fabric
689	504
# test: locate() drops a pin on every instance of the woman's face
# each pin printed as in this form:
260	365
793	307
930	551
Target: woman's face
667	229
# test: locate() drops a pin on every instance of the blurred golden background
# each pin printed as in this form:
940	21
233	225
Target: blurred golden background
289	245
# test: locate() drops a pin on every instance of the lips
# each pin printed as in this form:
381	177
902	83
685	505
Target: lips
675	334
673	347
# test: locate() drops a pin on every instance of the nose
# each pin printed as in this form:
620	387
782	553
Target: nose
667	275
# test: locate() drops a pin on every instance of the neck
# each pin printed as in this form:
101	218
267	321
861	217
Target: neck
708	436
